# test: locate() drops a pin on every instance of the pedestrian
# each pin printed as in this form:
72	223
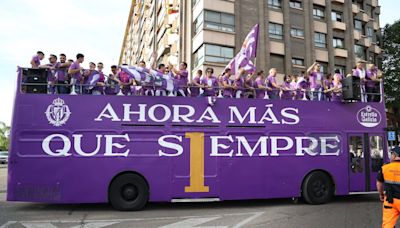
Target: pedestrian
388	185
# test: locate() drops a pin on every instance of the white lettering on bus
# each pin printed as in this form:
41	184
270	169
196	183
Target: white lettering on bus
251	112
78	146
294	117
301	150
110	144
274	144
185	117
152	115
250	151
141	113
325	145
111	114
170	145
215	145
60	152
269	116
208	114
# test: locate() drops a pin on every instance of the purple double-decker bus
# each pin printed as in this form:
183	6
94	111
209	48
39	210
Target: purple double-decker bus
129	150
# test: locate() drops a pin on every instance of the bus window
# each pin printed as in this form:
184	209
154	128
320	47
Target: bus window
376	148
356	154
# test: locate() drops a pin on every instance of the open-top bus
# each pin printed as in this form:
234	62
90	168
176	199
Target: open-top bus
128	150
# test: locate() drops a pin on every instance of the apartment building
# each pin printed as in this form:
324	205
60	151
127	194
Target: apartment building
293	33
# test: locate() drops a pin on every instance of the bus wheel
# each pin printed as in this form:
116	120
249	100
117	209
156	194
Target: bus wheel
317	188
128	192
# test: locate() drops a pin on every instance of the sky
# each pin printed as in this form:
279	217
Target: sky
94	28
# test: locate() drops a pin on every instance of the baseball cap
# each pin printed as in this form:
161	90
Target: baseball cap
396	150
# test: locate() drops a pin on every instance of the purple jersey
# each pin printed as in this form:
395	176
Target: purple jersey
315	78
77	75
227	92
51	74
36	60
182	79
260	82
124	78
287	94
328	85
369	76
270	81
212	84
301	86
61	72
195	90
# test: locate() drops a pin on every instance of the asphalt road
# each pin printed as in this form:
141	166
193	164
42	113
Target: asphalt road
349	211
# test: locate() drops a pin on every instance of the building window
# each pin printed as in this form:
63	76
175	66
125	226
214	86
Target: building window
336	16
276	4
358	25
275	31
297	32
298	62
359	51
338	43
215	20
370	33
212	53
295	4
320	40
324	68
319	13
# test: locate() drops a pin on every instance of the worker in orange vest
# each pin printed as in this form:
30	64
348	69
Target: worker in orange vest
388	184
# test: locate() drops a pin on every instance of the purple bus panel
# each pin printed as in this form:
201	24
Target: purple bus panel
68	149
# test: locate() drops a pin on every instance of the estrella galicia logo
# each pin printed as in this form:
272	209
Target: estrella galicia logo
58	113
369	117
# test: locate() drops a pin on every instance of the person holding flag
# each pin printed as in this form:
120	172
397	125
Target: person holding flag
182	76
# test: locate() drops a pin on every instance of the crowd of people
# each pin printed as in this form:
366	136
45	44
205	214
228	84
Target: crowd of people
68	76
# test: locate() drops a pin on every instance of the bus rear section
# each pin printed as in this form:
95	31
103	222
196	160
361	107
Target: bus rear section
130	150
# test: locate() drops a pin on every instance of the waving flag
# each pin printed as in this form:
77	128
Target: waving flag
167	82
248	51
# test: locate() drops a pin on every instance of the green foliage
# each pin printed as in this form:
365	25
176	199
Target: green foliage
391	63
4	137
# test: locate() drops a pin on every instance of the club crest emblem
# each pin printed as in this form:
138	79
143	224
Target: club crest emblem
58	113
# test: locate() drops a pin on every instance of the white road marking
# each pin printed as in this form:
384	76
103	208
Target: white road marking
38	225
192	222
95	224
244	222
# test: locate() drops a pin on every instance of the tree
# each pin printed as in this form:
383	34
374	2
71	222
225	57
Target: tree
391	63
4	137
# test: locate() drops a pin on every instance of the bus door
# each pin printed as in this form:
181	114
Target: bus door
365	159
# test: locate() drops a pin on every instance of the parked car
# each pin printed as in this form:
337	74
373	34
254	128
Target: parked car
3	157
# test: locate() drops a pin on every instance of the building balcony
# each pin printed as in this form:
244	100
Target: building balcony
277	47
365	41
338	1
378	10
355	9
357	35
319	2
339	25
321	55
376	25
338	52
364	17
377	49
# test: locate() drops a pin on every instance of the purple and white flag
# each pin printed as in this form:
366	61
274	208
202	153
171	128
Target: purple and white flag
248	51
93	79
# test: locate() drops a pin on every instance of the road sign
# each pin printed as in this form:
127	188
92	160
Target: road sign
391	135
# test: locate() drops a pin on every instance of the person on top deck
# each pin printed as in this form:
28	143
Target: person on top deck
239	83
371	88
35	61
315	77
273	94
328	85
260	85
249	84
359	72
125	82
195	85
75	70
286	89
159	83
182	77
112	82
302	87
210	83
98	89
87	76
227	84
51	73
62	75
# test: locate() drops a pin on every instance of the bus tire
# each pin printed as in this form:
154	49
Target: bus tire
128	192
317	188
